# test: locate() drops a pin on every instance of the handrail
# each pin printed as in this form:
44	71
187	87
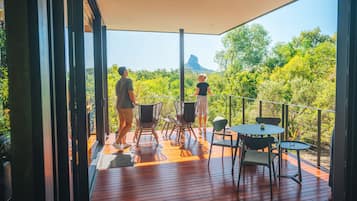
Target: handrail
280	103
285	107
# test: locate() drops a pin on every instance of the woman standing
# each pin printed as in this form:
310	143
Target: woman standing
202	89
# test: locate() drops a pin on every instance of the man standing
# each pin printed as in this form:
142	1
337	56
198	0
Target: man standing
125	104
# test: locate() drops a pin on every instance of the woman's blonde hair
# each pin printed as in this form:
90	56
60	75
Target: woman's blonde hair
203	76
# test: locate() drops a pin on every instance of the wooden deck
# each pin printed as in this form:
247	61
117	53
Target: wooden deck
173	172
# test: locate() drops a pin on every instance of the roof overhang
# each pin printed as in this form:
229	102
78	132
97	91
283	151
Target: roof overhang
194	16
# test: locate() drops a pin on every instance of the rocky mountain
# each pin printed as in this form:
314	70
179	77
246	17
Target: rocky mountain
193	65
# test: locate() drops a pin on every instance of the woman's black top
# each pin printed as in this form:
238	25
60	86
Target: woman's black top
203	86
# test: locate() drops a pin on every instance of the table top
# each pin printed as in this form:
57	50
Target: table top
255	129
294	145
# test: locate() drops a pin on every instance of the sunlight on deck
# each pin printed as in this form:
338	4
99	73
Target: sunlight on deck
168	150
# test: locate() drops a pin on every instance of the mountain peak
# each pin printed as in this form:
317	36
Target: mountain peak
194	65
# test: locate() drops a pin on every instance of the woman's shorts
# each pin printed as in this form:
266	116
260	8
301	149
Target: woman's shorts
202	105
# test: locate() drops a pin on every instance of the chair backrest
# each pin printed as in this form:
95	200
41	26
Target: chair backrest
186	111
189	112
256	143
219	123
179	106
149	113
146	113
268	120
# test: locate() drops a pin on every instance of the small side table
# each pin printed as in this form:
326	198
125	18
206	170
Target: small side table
297	146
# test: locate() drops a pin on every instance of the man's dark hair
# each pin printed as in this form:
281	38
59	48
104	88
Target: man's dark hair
121	70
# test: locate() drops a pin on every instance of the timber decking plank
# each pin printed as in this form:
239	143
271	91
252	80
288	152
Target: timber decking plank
187	177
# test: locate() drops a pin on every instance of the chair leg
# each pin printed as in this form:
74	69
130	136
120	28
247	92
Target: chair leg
209	155
163	128
235	155
172	131
271	188
240	171
274	174
194	134
232	156
167	129
137	142
155	135
181	132
244	173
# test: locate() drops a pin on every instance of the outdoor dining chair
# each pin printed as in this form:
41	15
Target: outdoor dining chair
268	120
169	123
222	138
253	154
185	117
272	121
147	119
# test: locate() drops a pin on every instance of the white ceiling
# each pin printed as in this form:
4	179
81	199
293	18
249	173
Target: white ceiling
194	16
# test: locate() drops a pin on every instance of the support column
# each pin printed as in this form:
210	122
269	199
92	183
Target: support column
345	145
98	72
105	79
182	66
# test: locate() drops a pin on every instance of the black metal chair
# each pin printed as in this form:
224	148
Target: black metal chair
185	117
272	121
146	121
252	156
268	120
219	135
169	123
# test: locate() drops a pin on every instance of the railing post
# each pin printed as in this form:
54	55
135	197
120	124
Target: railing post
286	121
230	110
260	108
243	110
318	137
282	120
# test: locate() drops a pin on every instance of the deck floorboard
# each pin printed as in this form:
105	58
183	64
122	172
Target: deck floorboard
173	172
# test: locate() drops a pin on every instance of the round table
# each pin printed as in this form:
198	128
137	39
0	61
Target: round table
255	129
297	146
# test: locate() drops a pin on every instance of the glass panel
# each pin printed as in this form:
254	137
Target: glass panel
90	93
92	142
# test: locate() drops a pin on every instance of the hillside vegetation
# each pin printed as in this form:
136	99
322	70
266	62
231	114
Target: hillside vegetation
300	72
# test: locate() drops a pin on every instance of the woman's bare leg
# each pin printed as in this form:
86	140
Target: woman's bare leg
199	123
204	123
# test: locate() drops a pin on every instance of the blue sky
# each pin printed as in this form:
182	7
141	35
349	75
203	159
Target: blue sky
150	51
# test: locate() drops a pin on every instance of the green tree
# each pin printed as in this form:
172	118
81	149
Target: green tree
280	54
4	86
244	47
309	39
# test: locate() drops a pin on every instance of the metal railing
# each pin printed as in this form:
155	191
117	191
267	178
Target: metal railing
286	110
304	123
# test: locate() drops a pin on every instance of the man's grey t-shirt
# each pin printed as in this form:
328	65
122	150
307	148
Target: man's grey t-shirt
123	86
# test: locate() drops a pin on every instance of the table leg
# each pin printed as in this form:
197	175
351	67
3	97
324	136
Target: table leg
279	161
299	165
298	174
